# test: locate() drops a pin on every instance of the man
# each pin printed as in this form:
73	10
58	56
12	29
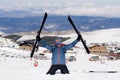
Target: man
58	54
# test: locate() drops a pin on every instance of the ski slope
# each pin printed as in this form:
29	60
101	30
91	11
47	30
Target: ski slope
105	35
20	68
23	69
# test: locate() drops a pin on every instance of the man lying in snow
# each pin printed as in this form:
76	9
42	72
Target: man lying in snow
58	54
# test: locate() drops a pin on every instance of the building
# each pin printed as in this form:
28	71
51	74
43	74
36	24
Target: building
98	49
25	46
111	50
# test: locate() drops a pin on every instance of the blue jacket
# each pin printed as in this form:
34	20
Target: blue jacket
58	53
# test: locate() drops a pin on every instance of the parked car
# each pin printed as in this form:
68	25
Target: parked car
94	58
71	58
42	57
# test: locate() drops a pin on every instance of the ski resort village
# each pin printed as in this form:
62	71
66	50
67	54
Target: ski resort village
103	62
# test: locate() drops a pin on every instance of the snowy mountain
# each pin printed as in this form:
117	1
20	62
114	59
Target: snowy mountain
104	35
99	36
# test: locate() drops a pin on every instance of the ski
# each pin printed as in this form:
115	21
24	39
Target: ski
44	19
78	33
102	71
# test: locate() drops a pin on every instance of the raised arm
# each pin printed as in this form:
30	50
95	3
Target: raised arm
43	44
69	46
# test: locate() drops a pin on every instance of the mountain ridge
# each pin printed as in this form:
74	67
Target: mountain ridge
57	23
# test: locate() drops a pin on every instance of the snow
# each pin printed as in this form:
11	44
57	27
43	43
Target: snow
20	68
7	43
26	37
106	35
1	33
23	69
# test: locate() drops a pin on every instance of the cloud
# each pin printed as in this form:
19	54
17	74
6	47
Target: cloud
86	9
84	27
102	26
50	26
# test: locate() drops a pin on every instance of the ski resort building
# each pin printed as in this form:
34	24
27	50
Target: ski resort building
98	49
25	46
111	50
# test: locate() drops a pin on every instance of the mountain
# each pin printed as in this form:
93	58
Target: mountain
56	23
98	36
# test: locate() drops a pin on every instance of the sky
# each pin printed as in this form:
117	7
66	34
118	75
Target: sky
107	8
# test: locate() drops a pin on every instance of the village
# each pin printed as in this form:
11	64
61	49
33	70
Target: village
110	51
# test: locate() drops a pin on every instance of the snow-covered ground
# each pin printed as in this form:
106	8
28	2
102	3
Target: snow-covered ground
22	68
106	35
8	43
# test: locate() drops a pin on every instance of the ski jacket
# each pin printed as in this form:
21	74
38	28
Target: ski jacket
58	52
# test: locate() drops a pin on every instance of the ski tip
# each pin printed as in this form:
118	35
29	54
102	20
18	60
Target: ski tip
69	17
45	13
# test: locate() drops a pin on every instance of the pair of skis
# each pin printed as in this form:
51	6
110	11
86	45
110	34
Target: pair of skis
70	20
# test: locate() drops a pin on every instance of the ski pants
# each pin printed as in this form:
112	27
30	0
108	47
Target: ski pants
54	68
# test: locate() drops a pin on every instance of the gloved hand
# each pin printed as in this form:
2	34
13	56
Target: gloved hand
79	37
38	38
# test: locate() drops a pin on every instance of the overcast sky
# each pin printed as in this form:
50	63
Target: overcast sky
108	8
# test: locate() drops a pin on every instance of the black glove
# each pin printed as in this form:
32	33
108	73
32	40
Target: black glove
79	37
38	38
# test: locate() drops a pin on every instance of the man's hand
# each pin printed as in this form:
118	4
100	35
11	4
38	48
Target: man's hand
79	37
38	38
